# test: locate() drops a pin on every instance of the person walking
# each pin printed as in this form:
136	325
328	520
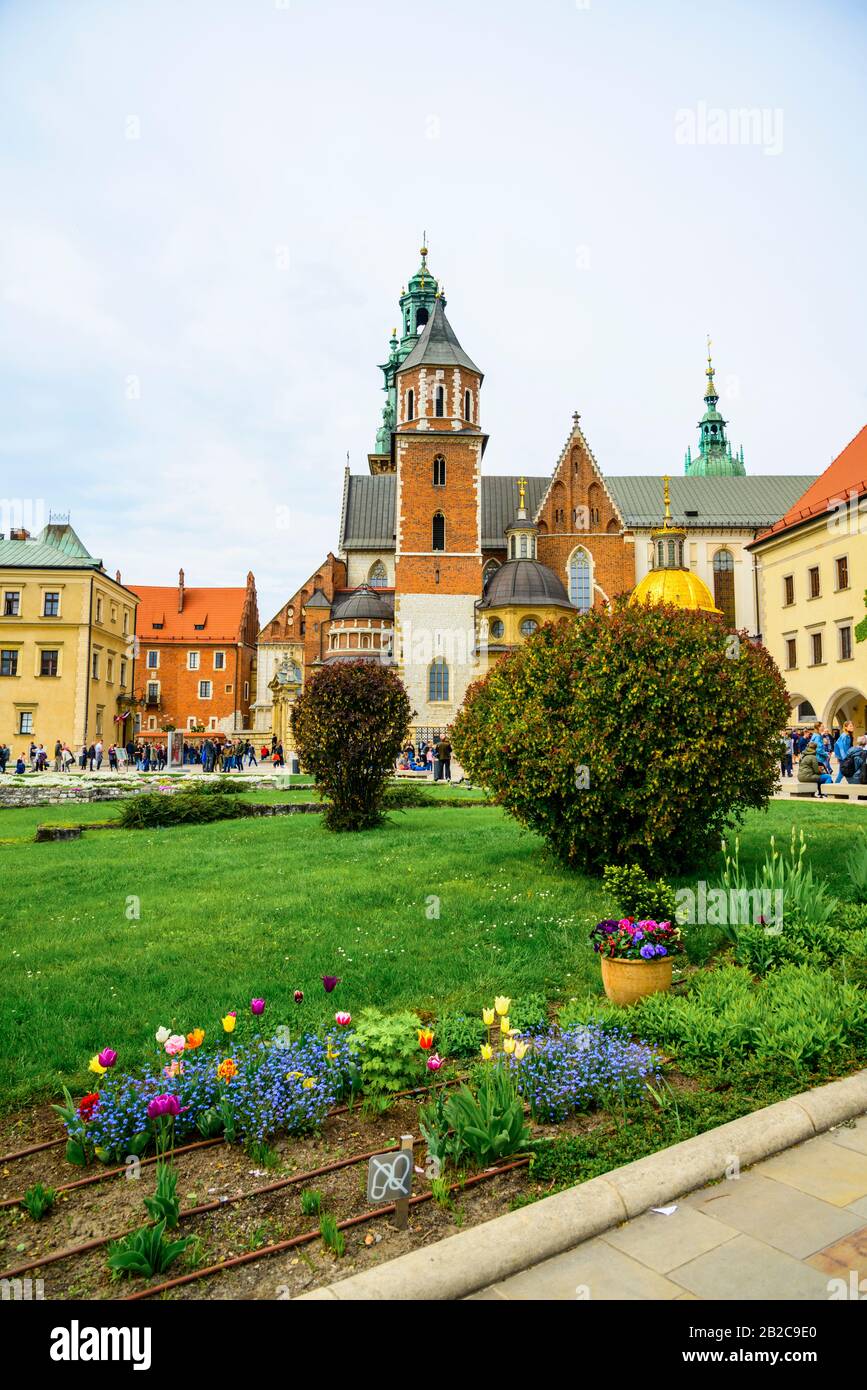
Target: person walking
4	758
787	750
97	749
112	759
444	758
58	761
67	757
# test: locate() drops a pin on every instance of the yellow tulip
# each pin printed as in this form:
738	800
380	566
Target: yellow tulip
509	1045
501	1004
520	1050
505	1027
229	1023
96	1066
488	1017
309	1083
487	1052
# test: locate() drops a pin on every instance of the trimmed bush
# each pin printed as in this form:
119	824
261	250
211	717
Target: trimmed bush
349	726
634	736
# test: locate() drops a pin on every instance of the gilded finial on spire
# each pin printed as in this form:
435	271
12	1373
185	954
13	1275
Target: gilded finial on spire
522	491
667	499
711	388
424	248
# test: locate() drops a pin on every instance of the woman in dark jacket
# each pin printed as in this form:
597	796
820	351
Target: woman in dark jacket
811	770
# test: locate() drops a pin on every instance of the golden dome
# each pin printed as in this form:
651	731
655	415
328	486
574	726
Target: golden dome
675	586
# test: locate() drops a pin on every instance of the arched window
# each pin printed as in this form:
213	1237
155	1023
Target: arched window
420	319
468	405
410	404
724	584
488	573
440	401
438	680
439	471
528	626
580	580
438	532
378	577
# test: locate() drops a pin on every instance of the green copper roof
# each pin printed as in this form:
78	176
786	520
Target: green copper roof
707	502
715	458
56	547
438	346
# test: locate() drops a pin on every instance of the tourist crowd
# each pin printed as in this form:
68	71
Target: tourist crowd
812	751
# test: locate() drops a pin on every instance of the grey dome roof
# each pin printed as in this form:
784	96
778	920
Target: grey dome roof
525	582
364	602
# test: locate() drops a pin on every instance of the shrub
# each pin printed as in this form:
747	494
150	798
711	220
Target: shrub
349	726
635	896
580	1069
619	737
187	807
390	1054
856	868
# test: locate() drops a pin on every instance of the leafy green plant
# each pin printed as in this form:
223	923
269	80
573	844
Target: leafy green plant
442	1145
210	1123
529	1014
783	878
332	1238
390	1054
460	1035
636	896
856	868
145	1253
311	1201
263	1155
544	742
488	1122
187	807
441	1191
38	1201
164	1205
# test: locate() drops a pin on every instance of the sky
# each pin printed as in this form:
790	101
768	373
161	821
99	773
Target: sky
209	209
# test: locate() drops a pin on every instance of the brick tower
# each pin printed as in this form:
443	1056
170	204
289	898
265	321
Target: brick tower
438	447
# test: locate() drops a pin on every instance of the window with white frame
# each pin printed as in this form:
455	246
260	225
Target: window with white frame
580	580
205	689
192	661
153	660
219	661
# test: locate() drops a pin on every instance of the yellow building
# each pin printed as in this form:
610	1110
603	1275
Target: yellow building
67	644
811	572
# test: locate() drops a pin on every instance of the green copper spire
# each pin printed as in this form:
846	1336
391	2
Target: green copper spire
417	302
715	457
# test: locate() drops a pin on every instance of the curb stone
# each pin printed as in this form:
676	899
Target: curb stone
463	1264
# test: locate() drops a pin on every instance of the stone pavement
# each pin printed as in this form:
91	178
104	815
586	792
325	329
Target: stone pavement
784	1229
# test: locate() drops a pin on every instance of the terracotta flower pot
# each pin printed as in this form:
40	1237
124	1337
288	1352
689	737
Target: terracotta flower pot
625	981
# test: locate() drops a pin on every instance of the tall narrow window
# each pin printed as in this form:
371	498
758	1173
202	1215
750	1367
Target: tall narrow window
468	406
580	582
378	577
724	584
440	401
488	573
438	536
410	404
439	471
438	680
523	546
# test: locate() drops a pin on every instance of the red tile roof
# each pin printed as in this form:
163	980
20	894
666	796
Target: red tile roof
846	475
220	610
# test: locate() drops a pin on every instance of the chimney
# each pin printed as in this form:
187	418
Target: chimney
18	533
180	591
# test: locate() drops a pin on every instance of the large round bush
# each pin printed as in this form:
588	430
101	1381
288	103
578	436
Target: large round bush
349	727
634	736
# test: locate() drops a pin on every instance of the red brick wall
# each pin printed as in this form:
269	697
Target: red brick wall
419	500
577	511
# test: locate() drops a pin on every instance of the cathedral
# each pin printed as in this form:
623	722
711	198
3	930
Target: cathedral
440	568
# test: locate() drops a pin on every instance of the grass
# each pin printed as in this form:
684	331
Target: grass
244	908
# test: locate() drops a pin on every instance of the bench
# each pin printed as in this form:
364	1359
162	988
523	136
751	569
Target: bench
833	791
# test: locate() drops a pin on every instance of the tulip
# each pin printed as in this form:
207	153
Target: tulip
505	1027
87	1105
344	1020
520	1050
308	1083
175	1045
107	1057
487	1052
227	1069
509	1045
425	1039
501	1004
434	1062
172	1070
329	981
95	1065
257	1006
488	1017
196	1038
298	996
163	1035
163	1105
229	1023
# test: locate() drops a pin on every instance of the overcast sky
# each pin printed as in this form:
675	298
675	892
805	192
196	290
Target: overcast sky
209	208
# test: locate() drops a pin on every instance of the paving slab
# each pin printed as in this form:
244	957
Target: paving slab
745	1269
594	1271
844	1256
822	1168
774	1212
664	1242
851	1136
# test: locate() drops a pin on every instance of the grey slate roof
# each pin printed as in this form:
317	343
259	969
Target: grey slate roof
525	582
364	602
438	346
56	547
751	502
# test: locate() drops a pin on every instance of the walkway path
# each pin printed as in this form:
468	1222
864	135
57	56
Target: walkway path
785	1229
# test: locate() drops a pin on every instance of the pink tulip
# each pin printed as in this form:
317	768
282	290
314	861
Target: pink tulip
107	1057
435	1062
257	1006
343	1019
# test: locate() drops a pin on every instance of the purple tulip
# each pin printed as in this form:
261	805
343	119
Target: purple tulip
329	981
163	1105
107	1057
298	996
257	1006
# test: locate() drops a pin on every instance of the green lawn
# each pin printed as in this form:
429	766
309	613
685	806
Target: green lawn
264	907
